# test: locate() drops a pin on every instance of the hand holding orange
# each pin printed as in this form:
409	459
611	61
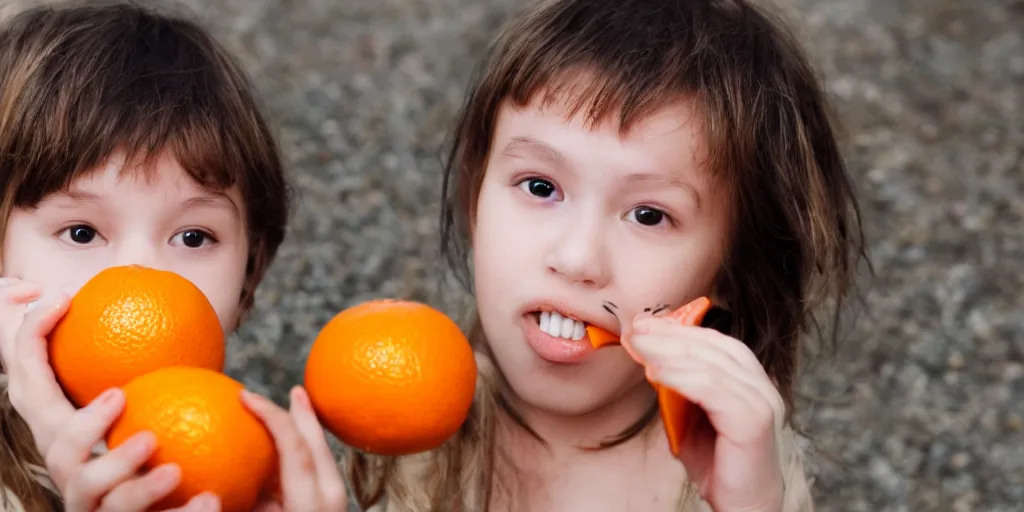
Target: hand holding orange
676	411
154	334
201	425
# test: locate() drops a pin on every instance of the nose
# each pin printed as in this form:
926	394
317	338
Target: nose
579	254
138	251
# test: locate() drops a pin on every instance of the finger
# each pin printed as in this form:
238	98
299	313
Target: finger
734	408
99	476
141	492
728	353
268	506
298	469
668	351
205	502
73	442
14	294
16	291
731	346
332	487
35	328
669	354
34	390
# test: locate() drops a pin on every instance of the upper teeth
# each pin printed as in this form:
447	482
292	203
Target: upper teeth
553	323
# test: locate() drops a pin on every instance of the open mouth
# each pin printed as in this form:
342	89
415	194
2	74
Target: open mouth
555	324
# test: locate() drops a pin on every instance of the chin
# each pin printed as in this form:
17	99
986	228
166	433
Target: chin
573	401
570	391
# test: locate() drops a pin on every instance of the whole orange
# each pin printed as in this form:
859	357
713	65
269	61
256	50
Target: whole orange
200	424
391	377
127	321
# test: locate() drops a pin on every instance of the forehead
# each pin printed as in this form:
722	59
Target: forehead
579	100
161	178
671	135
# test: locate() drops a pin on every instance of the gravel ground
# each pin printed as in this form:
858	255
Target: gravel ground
923	407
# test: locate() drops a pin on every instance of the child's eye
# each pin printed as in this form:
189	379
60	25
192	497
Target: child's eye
81	234
647	216
538	187
193	238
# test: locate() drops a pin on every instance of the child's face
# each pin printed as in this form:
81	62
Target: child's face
570	218
168	222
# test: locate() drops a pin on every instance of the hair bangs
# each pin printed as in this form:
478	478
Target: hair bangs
136	108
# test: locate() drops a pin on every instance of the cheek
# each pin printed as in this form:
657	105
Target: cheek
498	237
30	255
668	275
222	283
224	296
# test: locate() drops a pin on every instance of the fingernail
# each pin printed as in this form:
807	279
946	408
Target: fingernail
142	443
253	397
641	325
106	398
206	501
299	397
166	474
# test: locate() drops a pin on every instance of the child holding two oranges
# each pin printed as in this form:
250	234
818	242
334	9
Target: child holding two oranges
613	161
130	137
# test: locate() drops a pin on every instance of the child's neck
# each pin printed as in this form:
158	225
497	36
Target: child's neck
561	474
569	434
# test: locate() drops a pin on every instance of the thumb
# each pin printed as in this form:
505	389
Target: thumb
36	327
14	295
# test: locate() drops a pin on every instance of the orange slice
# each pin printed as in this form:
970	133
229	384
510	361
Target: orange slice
676	411
599	337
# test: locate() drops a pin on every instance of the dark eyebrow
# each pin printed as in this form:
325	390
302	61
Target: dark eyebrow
521	145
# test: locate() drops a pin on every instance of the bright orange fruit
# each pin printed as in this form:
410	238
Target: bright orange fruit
200	424
127	321
391	377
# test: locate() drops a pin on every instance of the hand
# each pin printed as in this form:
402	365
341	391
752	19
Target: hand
309	477
65	436
32	386
116	480
730	453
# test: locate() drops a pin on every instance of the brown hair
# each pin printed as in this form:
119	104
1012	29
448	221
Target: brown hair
82	80
796	233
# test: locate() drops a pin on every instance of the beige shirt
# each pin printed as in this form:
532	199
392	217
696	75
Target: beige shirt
10	502
797	497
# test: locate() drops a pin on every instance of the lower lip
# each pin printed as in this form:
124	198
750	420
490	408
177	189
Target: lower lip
554	349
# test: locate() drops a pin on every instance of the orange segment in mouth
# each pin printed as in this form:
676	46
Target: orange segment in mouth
599	337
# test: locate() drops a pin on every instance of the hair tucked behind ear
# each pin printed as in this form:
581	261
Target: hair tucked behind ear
22	476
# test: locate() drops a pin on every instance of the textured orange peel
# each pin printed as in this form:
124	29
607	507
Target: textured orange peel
676	411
